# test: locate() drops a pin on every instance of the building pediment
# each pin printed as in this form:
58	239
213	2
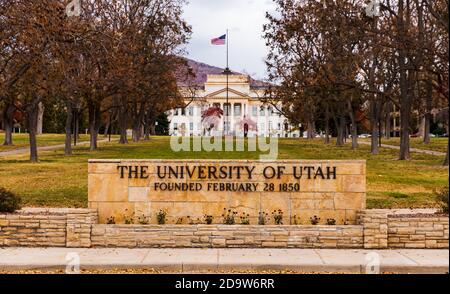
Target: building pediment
232	93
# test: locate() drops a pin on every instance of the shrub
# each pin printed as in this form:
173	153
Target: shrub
315	220
245	219
442	198
208	219
331	222
278	217
9	202
263	218
129	220
161	217
144	220
111	221
229	217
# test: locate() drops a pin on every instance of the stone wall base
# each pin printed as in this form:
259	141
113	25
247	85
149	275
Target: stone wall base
79	228
224	236
42	227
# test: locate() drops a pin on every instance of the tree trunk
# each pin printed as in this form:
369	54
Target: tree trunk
374	120
311	129
404	84
387	125
137	132
76	131
40	118
146	131
8	123
139	116
152	128
68	141
327	125
354	126
340	126
123	125
32	118
429	106
106	131
94	124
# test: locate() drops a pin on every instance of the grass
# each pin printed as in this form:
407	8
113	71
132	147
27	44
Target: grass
22	140
60	181
436	144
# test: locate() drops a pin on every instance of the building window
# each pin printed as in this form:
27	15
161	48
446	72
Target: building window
191	126
175	126
227	109
262	111
237	109
191	111
183	111
255	111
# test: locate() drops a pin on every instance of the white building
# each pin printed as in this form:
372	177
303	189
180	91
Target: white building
244	106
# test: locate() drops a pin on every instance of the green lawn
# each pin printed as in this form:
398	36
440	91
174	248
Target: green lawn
436	144
22	140
62	181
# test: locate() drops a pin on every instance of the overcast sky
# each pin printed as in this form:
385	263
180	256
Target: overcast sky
244	18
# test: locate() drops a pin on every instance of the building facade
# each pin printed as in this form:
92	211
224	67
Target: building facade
248	115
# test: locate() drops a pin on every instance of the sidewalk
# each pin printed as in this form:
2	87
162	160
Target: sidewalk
44	148
228	260
415	150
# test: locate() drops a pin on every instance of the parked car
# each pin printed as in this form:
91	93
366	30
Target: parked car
365	136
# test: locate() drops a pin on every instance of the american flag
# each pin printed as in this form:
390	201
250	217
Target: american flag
219	41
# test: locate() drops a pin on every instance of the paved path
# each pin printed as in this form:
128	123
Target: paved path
44	148
223	260
423	151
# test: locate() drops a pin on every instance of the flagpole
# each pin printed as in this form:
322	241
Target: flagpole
227	114
228	38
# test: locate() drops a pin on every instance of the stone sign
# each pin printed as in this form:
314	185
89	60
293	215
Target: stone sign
190	189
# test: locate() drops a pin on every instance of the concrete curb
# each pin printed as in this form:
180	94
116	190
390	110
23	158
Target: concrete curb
227	260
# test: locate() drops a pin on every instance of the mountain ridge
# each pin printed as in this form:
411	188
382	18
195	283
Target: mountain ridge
202	70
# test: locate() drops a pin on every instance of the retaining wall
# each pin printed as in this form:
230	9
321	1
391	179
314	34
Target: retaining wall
418	232
79	228
35	227
224	236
